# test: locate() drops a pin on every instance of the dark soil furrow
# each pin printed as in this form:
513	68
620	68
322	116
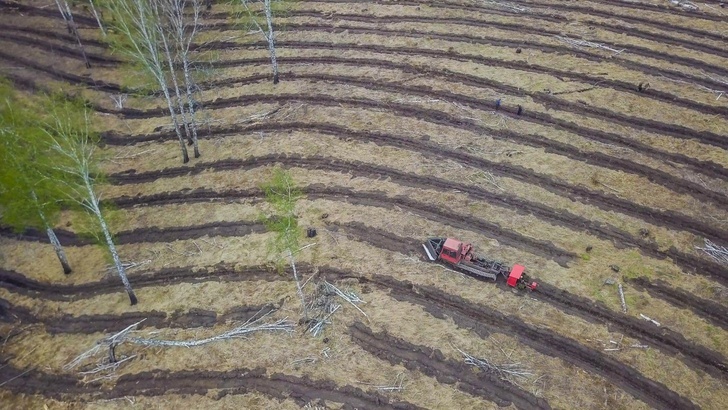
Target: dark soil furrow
433	116
434	364
302	390
559	217
22	285
633	49
668	341
148	234
13	7
602	200
467	79
546	48
705	167
66	51
484	321
633	18
52	35
376	199
707	309
533	14
104	323
71	78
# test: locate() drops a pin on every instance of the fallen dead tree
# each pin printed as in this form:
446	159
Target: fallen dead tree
323	304
101	361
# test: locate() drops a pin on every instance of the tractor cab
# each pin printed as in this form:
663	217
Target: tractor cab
518	279
454	251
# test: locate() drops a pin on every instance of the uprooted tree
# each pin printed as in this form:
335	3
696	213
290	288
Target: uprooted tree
73	146
28	197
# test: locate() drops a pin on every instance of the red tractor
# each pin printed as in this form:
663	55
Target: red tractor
460	256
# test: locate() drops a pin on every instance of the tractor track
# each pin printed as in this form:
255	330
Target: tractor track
708	168
563	218
302	390
707	309
552	18
433	116
433	363
484	321
605	201
493	41
538	247
105	323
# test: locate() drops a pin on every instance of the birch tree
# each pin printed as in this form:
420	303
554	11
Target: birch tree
267	33
71	26
137	21
28	199
97	17
73	146
183	28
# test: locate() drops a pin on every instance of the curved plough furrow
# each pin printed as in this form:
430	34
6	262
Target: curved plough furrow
51	12
302	390
602	200
94	59
705	167
619	29
60	75
434	364
554	216
541	248
433	116
484	321
647	69
52	35
475	24
106	323
707	309
22	285
666	340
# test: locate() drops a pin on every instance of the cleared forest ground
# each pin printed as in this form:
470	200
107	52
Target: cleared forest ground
398	121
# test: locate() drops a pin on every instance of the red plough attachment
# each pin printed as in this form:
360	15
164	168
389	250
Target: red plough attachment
460	256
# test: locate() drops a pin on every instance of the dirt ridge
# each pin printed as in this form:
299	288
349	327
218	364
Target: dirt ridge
567	219
239	381
484	321
602	200
432	116
707	309
434	364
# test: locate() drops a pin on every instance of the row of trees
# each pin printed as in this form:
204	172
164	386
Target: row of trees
47	163
48	151
158	37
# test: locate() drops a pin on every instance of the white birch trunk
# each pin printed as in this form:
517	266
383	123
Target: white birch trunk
93	200
298	285
98	19
71	25
59	250
175	83
271	40
191	104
